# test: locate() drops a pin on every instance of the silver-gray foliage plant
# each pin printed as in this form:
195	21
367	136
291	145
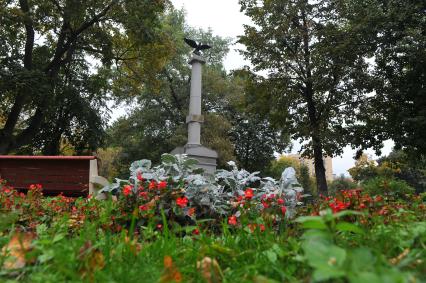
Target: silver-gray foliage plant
215	193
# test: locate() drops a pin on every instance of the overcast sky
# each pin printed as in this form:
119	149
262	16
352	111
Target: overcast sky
226	20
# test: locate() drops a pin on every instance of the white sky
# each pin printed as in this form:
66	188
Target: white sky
226	20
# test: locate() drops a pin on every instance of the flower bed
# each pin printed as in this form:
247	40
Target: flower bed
160	229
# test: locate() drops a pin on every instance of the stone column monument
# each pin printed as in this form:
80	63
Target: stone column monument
193	148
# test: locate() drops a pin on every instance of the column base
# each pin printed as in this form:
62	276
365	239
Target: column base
206	157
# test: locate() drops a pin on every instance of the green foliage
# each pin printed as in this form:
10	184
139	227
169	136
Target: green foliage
364	169
340	184
332	259
383	185
108	162
308	183
61	62
316	72
277	167
394	33
411	169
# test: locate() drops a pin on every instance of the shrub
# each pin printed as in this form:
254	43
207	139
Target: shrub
178	190
386	186
340	184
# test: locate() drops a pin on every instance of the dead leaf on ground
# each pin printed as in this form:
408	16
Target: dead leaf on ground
170	273
17	249
92	259
210	270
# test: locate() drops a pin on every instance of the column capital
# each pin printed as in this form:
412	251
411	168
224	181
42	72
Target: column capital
196	58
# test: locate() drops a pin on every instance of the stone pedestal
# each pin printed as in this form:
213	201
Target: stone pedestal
205	156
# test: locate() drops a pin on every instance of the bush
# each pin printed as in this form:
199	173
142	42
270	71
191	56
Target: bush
341	184
381	185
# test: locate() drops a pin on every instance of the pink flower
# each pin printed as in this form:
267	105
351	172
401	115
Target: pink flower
280	201
283	210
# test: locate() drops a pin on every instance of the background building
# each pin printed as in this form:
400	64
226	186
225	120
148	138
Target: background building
309	162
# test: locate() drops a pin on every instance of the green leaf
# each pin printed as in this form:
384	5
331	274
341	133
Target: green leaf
58	237
327	273
314	225
362	277
362	259
168	158
271	255
346	226
312	222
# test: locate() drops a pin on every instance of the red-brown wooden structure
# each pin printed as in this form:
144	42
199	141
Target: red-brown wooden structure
70	175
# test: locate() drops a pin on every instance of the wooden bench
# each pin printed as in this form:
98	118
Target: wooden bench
71	175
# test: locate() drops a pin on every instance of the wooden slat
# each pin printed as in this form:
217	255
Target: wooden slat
56	175
41	157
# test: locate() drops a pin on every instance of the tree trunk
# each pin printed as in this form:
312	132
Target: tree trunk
314	119
6	134
322	187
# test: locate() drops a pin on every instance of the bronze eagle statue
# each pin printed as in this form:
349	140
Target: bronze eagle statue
197	46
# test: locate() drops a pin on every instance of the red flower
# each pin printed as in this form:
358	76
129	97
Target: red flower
35	187
143	195
283	210
280	201
196	232
127	190
143	208
248	193
232	220
378	198
262	227
362	205
152	185
265	204
182	202
162	185
159	226
139	176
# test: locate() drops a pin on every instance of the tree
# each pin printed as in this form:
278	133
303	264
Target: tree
316	73
395	31
365	168
404	167
47	53
277	167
